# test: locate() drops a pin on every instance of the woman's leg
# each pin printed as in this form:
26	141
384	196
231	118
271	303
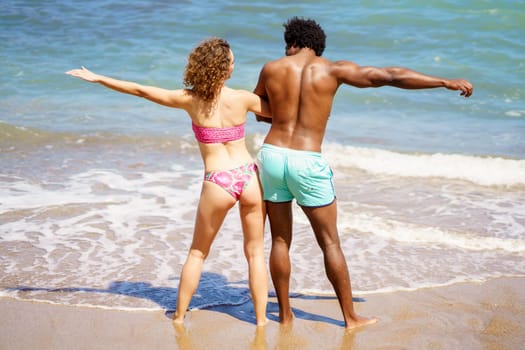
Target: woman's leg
253	213
213	206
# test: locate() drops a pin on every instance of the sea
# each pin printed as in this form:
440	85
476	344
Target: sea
98	190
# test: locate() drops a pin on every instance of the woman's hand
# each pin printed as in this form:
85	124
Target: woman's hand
84	73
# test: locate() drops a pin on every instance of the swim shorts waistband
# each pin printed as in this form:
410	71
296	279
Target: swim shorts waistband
290	151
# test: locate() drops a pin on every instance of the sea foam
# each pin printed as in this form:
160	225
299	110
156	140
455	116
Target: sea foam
485	171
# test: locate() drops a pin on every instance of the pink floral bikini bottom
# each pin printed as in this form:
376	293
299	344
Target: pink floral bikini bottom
233	181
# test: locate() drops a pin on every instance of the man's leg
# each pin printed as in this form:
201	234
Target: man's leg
280	217
324	224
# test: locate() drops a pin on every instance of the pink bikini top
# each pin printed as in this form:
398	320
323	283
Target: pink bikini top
218	135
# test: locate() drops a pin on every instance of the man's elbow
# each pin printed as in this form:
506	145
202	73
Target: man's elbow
261	118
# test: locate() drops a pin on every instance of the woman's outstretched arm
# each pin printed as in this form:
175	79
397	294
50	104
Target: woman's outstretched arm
180	98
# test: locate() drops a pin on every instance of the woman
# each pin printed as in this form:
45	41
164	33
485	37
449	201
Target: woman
218	116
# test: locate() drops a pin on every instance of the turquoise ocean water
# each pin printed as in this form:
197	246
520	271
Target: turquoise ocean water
98	190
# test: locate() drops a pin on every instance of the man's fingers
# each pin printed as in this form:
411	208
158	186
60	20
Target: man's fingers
466	88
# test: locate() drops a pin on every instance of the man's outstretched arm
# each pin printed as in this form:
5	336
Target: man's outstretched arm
400	77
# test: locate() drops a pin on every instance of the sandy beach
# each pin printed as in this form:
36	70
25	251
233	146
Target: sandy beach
488	315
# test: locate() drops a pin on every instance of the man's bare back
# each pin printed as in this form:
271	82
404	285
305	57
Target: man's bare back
301	99
301	88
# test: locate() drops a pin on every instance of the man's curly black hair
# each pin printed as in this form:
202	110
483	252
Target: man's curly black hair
305	33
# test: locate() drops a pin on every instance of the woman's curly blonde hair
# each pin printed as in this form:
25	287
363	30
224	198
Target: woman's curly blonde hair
208	67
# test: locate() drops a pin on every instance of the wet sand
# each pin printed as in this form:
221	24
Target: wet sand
488	315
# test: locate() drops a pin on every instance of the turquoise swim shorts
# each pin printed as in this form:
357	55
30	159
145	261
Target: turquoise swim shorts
287	174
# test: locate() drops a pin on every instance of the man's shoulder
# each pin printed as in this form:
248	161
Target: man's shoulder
276	65
343	63
277	62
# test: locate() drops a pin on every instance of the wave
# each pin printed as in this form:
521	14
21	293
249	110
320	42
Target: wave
481	170
412	233
13	138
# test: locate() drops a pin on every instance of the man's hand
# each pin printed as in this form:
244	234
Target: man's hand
460	84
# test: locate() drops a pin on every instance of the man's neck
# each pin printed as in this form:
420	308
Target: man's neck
306	51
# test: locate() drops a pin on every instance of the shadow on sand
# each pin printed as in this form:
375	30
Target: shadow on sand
215	293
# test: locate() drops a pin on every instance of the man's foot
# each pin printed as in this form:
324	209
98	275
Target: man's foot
359	321
286	317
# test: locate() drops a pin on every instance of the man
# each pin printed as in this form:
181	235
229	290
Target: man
300	89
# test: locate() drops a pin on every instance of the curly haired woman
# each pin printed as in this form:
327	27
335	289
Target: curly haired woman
218	116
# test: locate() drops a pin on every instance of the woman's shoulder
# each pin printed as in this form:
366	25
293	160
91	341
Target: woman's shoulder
238	92
241	97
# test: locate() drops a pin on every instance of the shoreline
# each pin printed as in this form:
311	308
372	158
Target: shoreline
488	315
